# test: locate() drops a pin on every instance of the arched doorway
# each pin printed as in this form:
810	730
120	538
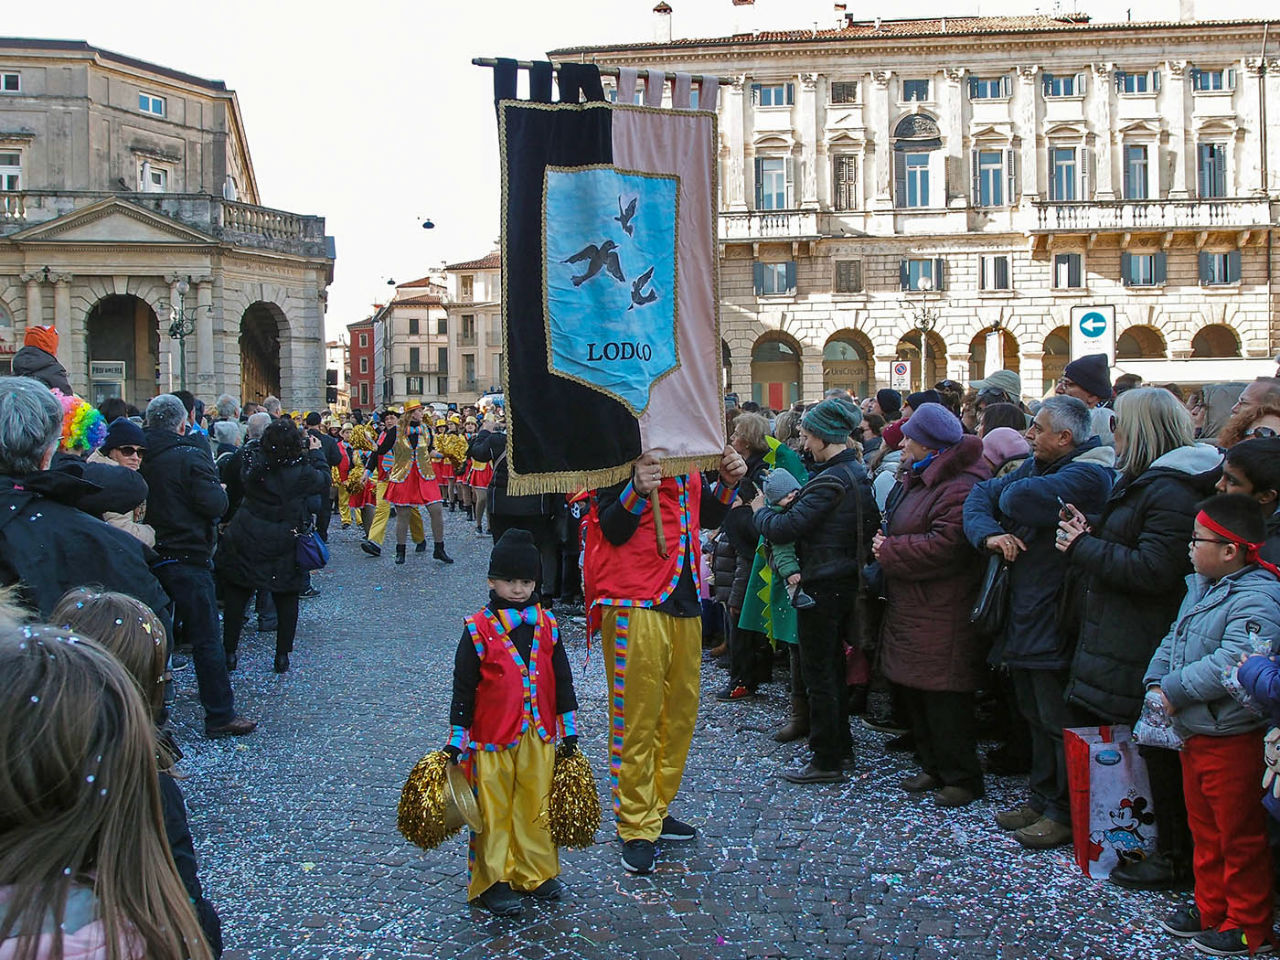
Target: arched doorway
1215	340
124	349
775	371
8	342
1057	351
846	362
260	351
908	349
1009	359
1140	343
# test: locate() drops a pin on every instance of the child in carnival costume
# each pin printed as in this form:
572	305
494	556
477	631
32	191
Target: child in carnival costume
512	698
412	482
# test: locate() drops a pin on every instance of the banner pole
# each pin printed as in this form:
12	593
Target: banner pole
605	71
661	537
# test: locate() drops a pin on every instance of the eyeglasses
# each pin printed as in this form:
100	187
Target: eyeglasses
132	451
1208	540
1263	432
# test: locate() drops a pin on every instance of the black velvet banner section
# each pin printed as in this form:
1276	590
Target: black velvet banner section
556	426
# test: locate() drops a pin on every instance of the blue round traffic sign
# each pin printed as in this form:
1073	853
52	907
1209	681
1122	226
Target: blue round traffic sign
1093	324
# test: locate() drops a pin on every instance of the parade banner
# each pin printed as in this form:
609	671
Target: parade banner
609	274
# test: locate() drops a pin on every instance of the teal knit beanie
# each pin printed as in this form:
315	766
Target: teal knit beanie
832	420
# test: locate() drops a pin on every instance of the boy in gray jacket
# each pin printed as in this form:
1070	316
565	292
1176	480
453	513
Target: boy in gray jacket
1232	603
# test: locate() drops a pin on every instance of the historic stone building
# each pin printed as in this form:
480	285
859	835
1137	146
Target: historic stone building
127	203
475	328
971	180
410	352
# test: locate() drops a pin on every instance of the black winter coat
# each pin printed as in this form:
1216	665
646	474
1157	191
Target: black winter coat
258	548
737	542
822	522
184	497
43	366
1127	579
115	489
50	546
178	833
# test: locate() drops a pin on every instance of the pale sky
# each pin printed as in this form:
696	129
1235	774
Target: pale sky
371	115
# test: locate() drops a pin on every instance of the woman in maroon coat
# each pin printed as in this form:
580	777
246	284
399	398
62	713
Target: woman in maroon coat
928	647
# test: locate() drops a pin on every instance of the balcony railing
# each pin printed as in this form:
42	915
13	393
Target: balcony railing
468	386
768	225
466	339
1152	214
243	224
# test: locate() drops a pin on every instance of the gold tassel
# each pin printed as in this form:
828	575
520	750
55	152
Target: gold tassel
575	803
420	816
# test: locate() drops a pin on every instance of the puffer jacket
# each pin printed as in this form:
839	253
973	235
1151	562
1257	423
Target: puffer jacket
885	476
1025	503
184	496
822	522
84	934
1216	624
43	366
259	548
1127	578
740	530
931	577
724	562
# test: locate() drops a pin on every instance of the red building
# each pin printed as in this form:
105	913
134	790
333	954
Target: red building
360	369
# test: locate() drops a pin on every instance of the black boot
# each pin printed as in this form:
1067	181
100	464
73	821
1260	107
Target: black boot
400	553
470	511
421	547
440	554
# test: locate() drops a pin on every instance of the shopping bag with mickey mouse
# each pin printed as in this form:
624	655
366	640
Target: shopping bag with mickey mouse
1110	799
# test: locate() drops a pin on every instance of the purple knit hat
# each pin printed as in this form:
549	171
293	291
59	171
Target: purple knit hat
934	427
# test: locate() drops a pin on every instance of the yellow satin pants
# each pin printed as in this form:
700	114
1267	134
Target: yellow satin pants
378	529
652	661
344	504
513	789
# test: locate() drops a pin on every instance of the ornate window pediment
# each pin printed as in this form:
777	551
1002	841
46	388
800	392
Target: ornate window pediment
917	126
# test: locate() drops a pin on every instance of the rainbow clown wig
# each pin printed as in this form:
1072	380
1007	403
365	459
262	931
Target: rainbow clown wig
84	428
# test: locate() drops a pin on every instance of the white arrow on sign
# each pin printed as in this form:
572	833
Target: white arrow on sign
1093	324
1093	330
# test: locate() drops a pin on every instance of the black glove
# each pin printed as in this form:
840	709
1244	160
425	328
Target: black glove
453	752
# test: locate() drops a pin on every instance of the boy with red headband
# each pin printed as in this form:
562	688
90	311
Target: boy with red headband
1232	603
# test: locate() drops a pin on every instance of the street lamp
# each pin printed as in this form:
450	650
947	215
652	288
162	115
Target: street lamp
924	318
181	326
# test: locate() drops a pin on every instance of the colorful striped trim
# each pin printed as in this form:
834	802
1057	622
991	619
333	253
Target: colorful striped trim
617	710
458	737
569	724
528	678
474	630
631	501
722	493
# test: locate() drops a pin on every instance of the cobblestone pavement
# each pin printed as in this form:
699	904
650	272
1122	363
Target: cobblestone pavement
295	825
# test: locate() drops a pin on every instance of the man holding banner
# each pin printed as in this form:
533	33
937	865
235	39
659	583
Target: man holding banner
641	572
613	383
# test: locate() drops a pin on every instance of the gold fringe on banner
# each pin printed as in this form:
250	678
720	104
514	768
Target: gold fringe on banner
571	481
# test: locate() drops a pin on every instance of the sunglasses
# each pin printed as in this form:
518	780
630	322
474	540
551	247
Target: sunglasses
1263	432
132	451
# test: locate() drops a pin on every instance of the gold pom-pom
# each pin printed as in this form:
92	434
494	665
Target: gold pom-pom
354	484
575	804
421	815
453	446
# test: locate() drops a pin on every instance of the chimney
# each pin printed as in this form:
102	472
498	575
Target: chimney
662	22
1186	10
744	17
840	16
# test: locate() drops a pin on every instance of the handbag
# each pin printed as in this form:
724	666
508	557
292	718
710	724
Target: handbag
991	609
311	552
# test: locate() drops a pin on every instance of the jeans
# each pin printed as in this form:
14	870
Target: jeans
190	585
1040	700
286	608
945	731
822	629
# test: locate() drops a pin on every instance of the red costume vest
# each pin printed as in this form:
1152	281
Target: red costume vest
633	574
510	696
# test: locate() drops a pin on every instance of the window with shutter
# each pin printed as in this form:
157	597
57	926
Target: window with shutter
1067	271
1142	269
993	272
939	274
844	182
848	276
990	178
1212	172
844	91
915	90
904	274
1219	268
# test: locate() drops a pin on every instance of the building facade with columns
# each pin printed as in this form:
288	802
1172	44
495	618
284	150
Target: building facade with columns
410	344
942	193
129	209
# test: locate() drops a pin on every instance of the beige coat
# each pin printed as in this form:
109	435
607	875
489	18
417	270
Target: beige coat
131	523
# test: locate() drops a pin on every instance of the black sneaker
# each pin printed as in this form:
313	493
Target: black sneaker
371	548
1156	872
1184	922
735	691
309	594
501	901
1228	943
552	889
902	743
677	830
883	724
637	856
